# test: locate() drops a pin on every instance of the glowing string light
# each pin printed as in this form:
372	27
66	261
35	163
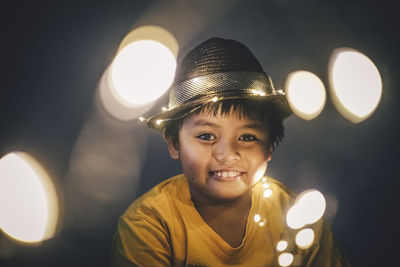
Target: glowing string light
305	238
282	245
285	259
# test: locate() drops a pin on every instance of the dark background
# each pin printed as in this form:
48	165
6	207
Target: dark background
53	54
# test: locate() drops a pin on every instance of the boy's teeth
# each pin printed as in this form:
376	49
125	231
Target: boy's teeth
226	174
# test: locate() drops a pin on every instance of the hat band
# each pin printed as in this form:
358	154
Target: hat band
220	84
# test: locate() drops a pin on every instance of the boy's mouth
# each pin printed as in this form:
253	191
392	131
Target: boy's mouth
226	175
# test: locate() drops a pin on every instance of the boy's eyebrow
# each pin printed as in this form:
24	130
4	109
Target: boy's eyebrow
201	122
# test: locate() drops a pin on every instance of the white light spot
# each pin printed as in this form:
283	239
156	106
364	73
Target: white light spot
266	185
309	207
285	259
214	99
306	94
305	238
257	92
257	218
141	72
26	191
356	85
282	245
267	193
158	122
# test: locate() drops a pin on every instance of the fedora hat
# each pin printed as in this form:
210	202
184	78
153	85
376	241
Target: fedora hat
215	70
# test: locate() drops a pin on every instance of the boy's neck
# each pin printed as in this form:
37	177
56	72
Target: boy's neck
204	203
227	218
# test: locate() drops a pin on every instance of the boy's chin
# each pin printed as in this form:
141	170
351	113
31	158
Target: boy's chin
227	194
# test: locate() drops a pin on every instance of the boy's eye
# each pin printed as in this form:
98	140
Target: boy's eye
206	137
248	138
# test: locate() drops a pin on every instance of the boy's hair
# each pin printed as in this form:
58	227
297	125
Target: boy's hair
252	109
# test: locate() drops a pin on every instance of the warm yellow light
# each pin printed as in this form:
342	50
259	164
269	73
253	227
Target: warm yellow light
285	259
267	193
308	208
306	94
282	245
142	72
28	200
151	32
355	84
262	223
305	238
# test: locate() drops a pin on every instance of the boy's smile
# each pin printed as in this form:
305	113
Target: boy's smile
222	156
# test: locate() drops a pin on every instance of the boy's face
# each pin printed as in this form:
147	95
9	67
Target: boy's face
222	156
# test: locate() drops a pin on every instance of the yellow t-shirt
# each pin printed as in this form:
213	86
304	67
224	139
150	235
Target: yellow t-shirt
163	228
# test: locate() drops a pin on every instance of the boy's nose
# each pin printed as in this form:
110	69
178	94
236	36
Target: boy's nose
226	152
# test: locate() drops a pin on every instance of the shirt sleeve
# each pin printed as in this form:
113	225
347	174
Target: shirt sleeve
327	253
140	241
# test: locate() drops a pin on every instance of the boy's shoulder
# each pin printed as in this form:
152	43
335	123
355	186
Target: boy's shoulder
277	194
159	198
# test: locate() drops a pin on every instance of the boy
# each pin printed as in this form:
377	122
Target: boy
223	121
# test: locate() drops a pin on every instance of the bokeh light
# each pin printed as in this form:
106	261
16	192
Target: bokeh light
282	245
285	259
141	72
29	207
355	84
267	193
305	238
309	207
306	94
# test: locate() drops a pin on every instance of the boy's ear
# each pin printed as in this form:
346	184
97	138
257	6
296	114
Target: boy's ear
270	153
173	150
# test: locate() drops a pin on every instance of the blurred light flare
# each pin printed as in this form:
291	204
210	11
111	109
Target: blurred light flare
309	208
306	94
355	84
282	245
285	259
141	72
26	191
267	193
305	238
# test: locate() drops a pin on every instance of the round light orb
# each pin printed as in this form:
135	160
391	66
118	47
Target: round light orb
305	238
282	245
294	218
257	218
355	84
285	259
29	206
142	72
309	207
267	193
311	204
306	94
